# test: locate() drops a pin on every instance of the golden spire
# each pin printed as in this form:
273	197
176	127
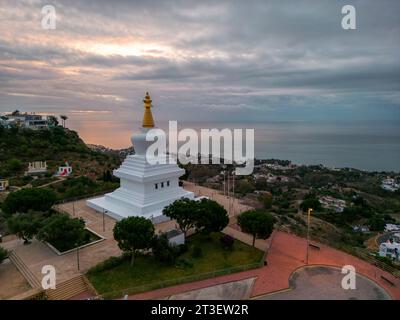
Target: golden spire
148	121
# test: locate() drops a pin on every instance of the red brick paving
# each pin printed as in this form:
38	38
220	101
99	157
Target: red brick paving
286	254
82	296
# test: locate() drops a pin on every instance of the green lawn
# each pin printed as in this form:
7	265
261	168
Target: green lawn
147	274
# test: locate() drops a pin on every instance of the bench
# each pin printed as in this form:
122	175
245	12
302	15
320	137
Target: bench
388	281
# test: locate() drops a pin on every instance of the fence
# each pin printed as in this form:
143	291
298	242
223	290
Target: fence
369	257
365	255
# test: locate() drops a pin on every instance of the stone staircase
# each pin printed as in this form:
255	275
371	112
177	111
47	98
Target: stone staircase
70	288
24	270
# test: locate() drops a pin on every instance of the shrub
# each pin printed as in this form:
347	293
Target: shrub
108	264
183	248
184	263
197	252
163	251
3	254
227	241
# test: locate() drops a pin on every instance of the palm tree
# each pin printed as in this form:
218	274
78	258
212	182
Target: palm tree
64	118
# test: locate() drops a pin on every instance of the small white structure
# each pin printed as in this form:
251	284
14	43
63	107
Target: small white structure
175	237
360	228
392	227
37	167
390	250
145	188
389	184
4	184
64	171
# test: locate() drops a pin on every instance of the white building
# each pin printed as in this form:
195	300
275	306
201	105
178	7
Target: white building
26	120
145	188
64	171
390	184
390	250
4	185
392	227
37	167
175	237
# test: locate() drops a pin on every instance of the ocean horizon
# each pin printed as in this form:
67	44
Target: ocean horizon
363	145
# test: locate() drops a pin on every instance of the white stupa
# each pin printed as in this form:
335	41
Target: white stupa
145	189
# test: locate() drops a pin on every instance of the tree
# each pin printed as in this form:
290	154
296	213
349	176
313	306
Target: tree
184	211
63	118
133	234
266	200
244	186
351	214
311	202
376	223
107	176
53	121
258	223
62	231
3	254
25	225
29	199
211	216
14	166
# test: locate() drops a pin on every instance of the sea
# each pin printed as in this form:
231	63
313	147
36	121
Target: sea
364	145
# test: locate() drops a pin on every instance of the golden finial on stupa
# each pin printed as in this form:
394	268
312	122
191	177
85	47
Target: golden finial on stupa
148	121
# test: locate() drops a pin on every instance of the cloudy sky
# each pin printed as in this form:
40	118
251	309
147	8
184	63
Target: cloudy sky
202	60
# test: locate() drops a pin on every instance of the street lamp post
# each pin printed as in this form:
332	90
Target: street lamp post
104	221
308	230
233	192
77	256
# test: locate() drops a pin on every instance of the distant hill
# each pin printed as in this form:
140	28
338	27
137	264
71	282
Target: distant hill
56	146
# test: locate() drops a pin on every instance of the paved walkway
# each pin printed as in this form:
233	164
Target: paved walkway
232	205
287	253
38	254
12	282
